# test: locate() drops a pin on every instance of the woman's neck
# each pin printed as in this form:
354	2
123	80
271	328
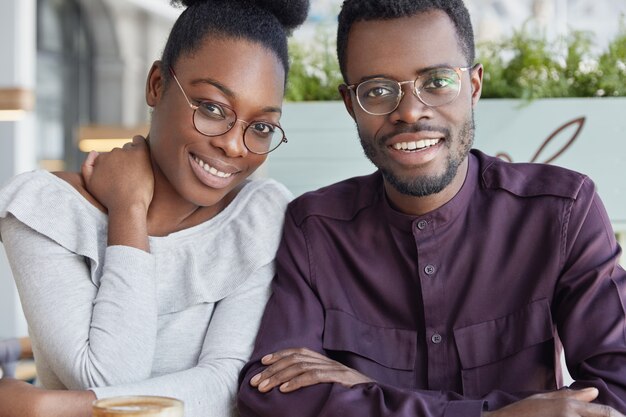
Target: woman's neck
170	212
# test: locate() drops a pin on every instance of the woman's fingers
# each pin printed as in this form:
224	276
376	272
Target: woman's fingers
87	166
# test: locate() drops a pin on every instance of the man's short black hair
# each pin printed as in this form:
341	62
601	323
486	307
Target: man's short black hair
359	10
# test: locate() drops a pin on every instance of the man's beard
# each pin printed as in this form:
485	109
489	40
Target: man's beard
423	186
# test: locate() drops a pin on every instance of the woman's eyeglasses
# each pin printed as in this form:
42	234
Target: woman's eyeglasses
212	118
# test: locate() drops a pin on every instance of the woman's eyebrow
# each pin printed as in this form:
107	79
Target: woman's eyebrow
214	83
227	91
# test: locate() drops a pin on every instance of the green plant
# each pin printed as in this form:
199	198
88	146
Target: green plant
612	66
528	66
314	73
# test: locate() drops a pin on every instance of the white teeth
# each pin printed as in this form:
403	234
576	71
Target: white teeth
410	146
210	169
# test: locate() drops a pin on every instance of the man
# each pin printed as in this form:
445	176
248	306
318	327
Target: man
448	282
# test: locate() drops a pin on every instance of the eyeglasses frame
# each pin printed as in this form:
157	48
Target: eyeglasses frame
231	125
458	70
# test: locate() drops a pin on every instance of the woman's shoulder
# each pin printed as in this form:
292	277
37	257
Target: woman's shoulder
262	196
51	205
40	186
76	180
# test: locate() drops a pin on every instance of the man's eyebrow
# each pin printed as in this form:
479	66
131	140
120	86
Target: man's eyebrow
418	72
227	91
369	77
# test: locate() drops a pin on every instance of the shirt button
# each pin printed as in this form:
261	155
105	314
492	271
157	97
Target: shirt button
436	338
422	224
429	269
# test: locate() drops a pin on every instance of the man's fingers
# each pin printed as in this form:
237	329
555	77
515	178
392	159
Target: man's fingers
311	372
600	410
312	377
281	354
585	394
280	363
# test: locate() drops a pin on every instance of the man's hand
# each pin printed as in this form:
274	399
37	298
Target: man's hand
562	403
291	369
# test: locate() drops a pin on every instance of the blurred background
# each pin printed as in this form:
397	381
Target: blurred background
73	74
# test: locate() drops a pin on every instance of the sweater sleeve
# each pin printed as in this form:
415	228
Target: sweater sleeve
89	335
210	386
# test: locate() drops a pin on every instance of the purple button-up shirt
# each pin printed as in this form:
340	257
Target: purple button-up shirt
460	310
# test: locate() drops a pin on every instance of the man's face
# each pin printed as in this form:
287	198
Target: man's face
417	148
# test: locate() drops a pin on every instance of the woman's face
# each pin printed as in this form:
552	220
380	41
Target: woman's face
238	73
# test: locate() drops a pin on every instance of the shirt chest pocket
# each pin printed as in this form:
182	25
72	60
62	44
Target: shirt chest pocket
385	354
514	353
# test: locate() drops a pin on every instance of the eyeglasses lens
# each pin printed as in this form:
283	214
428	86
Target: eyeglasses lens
435	88
439	86
213	119
261	137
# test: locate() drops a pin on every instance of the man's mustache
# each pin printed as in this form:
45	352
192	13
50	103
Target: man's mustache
414	128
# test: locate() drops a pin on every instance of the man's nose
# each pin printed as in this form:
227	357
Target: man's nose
411	108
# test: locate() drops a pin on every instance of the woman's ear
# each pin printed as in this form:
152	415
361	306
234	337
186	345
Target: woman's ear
155	84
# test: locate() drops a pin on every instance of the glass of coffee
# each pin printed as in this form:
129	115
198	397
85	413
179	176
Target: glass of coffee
138	406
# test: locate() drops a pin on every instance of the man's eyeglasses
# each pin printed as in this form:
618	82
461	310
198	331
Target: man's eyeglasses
433	87
212	118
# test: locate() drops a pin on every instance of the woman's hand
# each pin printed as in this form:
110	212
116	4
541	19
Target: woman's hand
18	398
123	182
121	178
292	369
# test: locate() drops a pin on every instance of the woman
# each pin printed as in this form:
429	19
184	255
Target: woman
163	294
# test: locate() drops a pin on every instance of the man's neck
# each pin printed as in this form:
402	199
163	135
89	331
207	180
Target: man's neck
418	206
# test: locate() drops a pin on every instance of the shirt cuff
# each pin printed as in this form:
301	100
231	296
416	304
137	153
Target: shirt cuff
464	409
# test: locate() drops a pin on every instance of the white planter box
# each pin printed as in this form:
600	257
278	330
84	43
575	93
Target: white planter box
323	144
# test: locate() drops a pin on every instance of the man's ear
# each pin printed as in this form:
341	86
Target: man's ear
155	84
476	79
347	99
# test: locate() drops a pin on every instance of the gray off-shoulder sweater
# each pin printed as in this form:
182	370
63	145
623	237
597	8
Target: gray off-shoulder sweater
179	321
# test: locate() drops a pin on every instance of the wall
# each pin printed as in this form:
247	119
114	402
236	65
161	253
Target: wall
323	145
127	36
17	21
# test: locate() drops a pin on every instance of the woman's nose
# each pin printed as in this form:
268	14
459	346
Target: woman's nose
232	142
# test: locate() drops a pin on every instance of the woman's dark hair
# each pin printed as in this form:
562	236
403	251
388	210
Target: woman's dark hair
358	10
267	22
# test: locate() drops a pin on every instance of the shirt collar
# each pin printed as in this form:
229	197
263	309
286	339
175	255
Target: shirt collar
443	214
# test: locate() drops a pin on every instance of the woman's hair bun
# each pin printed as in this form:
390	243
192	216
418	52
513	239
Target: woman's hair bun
290	13
186	3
